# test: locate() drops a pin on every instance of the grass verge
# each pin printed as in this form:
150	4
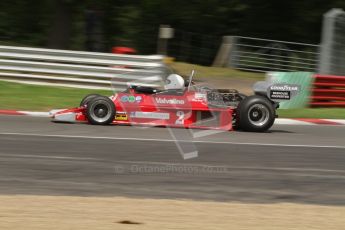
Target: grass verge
41	98
330	113
44	98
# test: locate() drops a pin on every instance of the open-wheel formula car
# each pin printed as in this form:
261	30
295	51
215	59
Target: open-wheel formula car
181	103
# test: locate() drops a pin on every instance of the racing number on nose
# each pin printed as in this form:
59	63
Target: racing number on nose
180	117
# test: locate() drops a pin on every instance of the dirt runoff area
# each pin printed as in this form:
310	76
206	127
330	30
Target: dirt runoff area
243	85
60	212
217	77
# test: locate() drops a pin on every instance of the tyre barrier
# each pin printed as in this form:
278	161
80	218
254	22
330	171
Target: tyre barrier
328	91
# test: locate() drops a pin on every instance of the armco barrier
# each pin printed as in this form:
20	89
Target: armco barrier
77	68
328	91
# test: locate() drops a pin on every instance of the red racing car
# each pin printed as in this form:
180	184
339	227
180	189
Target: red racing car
180	104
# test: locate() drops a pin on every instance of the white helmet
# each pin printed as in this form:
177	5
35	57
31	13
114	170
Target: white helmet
174	81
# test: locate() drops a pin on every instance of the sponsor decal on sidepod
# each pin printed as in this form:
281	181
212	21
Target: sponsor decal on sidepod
199	97
150	115
131	99
172	101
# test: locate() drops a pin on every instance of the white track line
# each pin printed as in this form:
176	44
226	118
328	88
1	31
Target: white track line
233	167
170	140
36	114
47	157
285	121
297	172
287	169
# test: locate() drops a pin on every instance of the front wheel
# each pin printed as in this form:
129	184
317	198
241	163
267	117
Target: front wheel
100	111
255	114
88	98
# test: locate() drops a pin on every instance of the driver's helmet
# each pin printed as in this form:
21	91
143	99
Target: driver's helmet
174	81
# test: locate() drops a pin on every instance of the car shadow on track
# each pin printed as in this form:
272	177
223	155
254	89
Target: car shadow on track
268	131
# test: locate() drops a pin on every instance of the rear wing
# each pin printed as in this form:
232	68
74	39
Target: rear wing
276	92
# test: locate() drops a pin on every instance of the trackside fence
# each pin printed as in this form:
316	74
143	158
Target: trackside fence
262	55
77	68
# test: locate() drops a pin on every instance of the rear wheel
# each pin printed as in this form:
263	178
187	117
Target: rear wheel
100	111
88	98
255	114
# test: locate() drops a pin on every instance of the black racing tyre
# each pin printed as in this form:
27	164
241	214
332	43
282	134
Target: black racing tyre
100	111
255	114
88	98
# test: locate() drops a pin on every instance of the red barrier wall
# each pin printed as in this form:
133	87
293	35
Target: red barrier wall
328	91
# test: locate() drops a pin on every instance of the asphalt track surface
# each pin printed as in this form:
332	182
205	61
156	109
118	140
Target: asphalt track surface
300	164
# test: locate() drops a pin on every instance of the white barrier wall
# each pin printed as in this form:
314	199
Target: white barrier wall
76	68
